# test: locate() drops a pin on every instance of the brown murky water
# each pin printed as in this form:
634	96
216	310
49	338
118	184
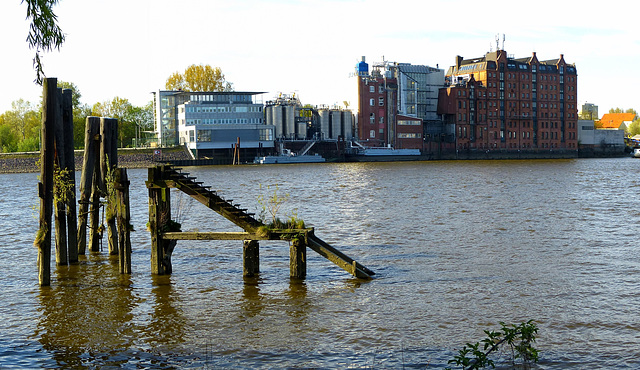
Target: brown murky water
457	247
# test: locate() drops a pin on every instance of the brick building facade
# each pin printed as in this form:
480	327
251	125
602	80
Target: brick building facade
498	102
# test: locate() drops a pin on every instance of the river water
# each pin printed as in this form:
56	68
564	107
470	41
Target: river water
457	247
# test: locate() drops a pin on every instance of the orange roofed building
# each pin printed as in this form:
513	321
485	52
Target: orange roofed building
617	121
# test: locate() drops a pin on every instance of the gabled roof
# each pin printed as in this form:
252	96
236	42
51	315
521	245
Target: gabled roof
614	120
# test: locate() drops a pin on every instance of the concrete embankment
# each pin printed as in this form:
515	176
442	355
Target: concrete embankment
127	158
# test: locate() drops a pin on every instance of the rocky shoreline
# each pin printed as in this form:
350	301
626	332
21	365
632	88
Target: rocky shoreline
25	164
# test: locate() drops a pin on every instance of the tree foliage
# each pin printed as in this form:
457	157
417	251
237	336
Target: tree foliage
199	78
620	110
44	32
519	338
129	117
20	128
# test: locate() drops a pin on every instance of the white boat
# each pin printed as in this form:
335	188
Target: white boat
288	157
636	153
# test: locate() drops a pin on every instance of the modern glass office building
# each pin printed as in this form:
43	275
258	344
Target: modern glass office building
207	122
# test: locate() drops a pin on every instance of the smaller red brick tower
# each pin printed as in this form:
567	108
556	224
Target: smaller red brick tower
377	101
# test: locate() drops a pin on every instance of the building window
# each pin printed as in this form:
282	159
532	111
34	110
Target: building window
381	119
372	102
405	135
381	101
372	118
409	122
372	88
381	89
372	133
203	135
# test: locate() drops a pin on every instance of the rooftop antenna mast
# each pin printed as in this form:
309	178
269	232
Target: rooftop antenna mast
503	38
497	42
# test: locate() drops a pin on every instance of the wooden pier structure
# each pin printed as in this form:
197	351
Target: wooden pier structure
165	233
100	178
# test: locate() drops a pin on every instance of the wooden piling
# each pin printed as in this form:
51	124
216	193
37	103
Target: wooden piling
70	167
45	187
159	221
108	163
95	228
250	258
91	155
59	188
124	220
298	258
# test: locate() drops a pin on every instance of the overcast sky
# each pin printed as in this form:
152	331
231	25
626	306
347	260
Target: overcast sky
129	48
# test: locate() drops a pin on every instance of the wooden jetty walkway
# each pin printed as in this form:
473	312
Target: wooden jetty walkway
165	233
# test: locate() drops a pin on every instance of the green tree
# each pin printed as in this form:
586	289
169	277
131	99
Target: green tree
142	119
199	78
44	32
129	117
23	118
75	93
634	128
8	138
80	113
620	110
116	108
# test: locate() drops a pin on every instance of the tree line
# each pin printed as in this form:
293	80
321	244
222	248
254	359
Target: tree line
20	126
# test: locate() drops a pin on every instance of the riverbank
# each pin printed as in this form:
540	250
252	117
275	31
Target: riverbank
127	158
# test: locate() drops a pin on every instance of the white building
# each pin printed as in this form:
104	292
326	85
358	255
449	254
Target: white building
212	122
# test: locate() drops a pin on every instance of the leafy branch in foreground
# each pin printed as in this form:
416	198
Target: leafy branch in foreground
520	339
44	32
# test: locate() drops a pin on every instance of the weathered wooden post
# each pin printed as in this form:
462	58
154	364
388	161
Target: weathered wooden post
59	180
70	167
91	155
159	221
45	187
108	163
298	258
250	258
95	229
124	220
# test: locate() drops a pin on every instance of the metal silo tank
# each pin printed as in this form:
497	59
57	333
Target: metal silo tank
324	123
347	127
336	119
290	129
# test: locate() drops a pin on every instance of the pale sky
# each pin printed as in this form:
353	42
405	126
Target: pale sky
129	48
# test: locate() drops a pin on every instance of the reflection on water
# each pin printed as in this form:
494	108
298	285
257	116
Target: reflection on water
87	312
457	247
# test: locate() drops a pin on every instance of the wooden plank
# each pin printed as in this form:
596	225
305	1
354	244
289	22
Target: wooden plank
211	236
343	261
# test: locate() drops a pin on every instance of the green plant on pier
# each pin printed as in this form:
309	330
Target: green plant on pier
520	339
62	184
270	207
